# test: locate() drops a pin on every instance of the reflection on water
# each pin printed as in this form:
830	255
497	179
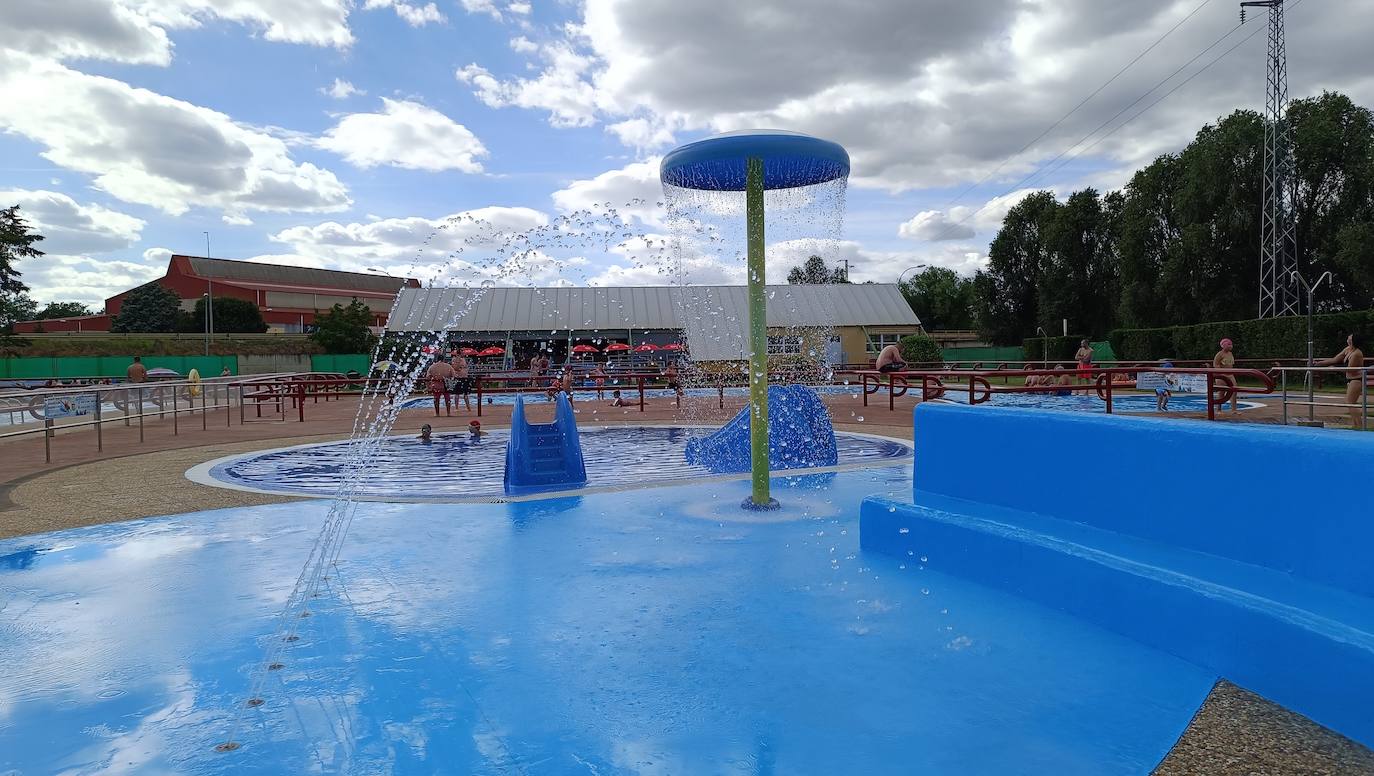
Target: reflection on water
611	633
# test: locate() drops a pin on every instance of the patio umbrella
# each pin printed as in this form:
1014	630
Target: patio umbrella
646	348
671	346
584	349
492	351
616	346
162	371
468	351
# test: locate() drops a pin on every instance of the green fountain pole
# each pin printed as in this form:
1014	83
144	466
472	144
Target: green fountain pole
758	333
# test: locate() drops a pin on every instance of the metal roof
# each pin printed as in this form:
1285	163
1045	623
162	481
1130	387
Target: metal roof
308	278
714	318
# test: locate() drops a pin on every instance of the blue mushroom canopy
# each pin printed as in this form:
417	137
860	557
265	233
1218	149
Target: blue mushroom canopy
790	159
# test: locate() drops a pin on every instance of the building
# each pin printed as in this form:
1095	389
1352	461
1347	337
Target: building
842	323
289	297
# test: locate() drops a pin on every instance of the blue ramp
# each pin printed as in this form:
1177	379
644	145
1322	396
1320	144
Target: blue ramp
544	456
799	435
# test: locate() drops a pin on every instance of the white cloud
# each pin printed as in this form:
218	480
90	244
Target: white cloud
521	8
633	190
158	256
236	219
147	148
523	45
405	134
562	87
936	225
71	228
80	278
410	13
642	134
85	29
481	6
342	90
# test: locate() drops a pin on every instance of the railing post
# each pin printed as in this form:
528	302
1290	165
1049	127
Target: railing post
1283	379
242	420
1364	398
1109	394
174	411
1211	398
640	380
300	403
478	381
47	440
140	414
204	414
99	433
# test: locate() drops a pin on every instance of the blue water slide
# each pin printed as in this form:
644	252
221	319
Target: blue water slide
544	456
799	435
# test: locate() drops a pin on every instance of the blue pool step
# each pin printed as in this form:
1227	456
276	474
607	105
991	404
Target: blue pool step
1213	550
544	456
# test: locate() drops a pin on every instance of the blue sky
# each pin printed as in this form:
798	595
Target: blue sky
131	127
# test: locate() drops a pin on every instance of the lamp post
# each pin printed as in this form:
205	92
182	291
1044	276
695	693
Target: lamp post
908	269
209	301
1295	278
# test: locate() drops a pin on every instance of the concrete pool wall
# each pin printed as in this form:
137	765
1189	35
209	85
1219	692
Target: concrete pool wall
1234	547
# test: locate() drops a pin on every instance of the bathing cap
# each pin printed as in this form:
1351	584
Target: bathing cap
474	423
1226	342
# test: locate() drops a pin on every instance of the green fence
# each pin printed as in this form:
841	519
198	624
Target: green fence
983	354
61	367
342	363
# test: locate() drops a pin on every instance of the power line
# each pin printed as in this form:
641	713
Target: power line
1045	167
1075	108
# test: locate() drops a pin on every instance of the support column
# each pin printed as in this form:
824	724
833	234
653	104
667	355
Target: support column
758	338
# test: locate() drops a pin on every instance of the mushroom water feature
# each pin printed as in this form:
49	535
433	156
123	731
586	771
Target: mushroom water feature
755	161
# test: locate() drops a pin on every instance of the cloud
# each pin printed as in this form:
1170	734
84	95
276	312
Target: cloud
401	243
521	8
642	134
412	14
405	134
342	90
69	227
80	278
936	225
157	255
523	45
481	6
236	219
154	150
633	190
921	92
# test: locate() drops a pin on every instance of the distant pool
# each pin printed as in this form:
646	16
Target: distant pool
649	632
1128	402
457	467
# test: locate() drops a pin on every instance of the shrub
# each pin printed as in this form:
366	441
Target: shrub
1059	348
1259	338
920	349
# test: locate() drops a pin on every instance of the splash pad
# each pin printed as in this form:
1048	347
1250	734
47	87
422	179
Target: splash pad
755	161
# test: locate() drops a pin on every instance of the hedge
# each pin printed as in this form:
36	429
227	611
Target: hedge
1060	348
1259	338
920	349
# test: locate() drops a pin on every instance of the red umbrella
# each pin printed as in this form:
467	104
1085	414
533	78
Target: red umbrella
584	349
617	346
646	348
671	346
468	351
492	351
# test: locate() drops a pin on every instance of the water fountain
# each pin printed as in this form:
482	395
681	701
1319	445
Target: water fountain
755	161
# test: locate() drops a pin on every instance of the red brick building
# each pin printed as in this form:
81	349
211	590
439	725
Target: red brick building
289	297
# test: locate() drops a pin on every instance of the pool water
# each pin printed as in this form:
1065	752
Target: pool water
456	466
655	631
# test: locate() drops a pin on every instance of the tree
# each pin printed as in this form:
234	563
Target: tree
14	308
16	242
63	310
231	316
344	329
920	349
941	298
148	308
1006	294
815	272
1079	278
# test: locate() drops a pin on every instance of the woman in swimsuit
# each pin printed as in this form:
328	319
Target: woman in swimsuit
1352	358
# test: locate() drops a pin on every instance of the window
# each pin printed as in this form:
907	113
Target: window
784	345
876	342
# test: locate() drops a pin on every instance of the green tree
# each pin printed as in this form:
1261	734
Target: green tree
815	272
15	308
231	316
1006	294
941	298
64	310
344	329
148	308
920	349
1146	231
1080	275
16	242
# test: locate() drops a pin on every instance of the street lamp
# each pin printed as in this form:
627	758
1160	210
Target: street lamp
206	297
1297	279
209	301
908	269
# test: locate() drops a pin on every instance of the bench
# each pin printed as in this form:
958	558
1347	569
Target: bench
1232	546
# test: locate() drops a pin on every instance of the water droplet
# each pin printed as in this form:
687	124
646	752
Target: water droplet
925	591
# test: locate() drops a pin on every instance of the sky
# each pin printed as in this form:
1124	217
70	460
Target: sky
344	133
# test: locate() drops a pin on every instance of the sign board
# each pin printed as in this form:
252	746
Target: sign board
69	406
1175	382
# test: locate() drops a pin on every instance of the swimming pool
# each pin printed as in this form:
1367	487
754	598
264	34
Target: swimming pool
458	467
1121	402
647	632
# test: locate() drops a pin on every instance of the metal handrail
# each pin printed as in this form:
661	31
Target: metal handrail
1366	372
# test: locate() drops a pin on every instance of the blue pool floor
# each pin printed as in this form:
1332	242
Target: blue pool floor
653	631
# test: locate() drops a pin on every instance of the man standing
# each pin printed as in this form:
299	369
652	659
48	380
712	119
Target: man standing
439	374
1352	358
1225	359
1084	357
137	372
462	383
